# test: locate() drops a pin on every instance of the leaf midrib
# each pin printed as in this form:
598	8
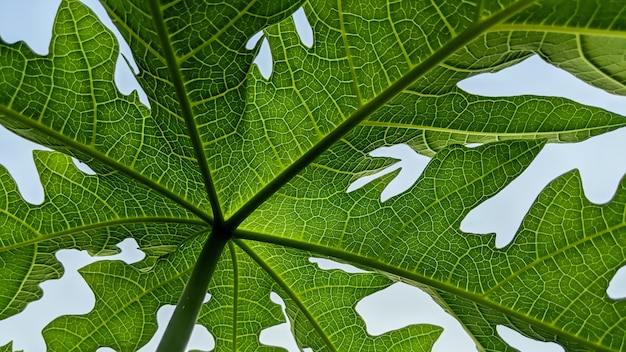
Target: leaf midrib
544	28
233	256
535	134
287	288
102	224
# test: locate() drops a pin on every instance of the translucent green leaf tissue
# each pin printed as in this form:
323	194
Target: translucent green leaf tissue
231	181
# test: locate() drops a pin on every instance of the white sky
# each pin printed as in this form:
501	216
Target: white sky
397	306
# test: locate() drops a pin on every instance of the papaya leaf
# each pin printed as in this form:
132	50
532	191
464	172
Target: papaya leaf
230	181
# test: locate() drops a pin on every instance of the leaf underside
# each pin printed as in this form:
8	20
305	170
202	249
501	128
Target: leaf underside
267	162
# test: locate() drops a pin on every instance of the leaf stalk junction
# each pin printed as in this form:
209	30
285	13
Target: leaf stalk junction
187	309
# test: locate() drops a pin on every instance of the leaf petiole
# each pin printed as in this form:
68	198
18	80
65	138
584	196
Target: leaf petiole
180	326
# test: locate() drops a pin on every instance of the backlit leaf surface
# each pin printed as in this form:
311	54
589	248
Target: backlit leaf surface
224	153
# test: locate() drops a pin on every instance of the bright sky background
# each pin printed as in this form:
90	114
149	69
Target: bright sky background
600	160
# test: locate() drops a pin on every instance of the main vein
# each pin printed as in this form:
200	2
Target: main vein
105	159
185	106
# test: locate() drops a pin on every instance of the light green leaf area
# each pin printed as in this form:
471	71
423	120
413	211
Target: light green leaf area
395	65
553	277
481	323
240	306
69	102
582	37
256	170
91	213
578	247
127	300
420	226
194	66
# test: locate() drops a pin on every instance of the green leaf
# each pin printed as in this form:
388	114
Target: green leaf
563	257
80	211
235	314
240	307
127	300
430	251
566	247
575	244
232	181
399	77
68	102
8	348
481	323
194	68
322	304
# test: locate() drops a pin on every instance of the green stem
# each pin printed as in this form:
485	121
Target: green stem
181	324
